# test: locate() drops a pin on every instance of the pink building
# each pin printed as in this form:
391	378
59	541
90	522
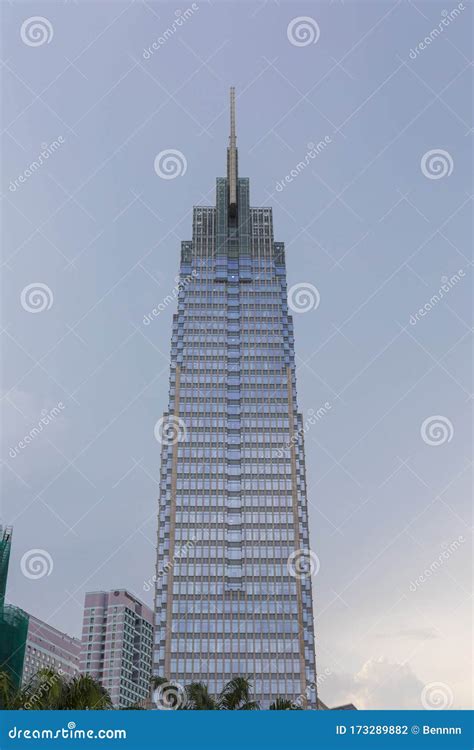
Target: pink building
117	642
49	648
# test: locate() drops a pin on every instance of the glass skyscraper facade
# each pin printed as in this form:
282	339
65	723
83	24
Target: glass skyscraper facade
233	593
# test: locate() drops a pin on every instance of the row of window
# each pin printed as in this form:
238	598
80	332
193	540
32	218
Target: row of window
227	452
255	291
217	588
226	409
218	370
247	317
255	535
195	551
234	626
237	503
189	517
235	486
222	337
210	326
214	394
238	666
255	570
233	468
265	607
197	644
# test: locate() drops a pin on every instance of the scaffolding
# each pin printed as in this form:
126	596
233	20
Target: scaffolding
13	620
13	634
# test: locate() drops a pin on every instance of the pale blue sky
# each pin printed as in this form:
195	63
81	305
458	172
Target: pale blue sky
362	223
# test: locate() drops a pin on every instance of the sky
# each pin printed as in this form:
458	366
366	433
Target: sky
378	222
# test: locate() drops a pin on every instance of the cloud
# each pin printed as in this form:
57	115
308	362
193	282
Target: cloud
379	684
383	684
414	634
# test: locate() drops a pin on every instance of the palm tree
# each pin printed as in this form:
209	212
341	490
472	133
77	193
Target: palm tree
236	696
42	692
199	698
157	681
11	698
5	690
283	704
51	690
84	693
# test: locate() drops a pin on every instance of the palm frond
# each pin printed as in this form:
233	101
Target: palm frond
284	704
199	698
235	695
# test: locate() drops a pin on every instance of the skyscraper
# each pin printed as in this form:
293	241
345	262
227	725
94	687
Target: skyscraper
233	583
116	647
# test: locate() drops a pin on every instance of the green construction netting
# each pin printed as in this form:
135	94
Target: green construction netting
13	635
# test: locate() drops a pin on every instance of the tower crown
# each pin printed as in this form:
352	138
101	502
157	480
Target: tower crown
232	166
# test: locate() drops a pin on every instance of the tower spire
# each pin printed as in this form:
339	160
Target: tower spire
232	158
